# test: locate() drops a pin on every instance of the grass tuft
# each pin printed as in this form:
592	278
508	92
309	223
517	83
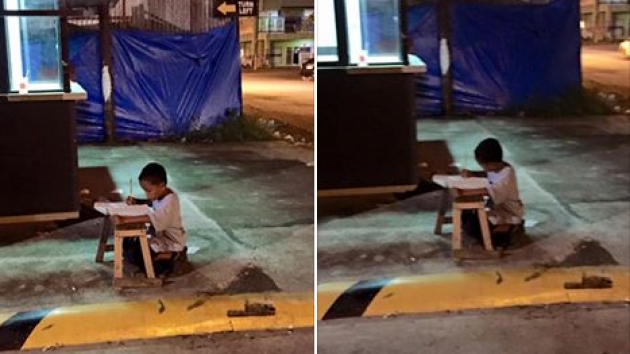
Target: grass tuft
232	129
575	102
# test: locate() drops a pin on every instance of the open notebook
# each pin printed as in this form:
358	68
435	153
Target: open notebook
122	209
456	181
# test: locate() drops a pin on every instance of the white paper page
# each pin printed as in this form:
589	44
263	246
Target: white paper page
122	209
455	181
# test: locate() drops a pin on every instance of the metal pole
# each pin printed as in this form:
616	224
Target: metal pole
65	53
4	74
342	32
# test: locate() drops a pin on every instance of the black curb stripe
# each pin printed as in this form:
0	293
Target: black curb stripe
16	330
354	301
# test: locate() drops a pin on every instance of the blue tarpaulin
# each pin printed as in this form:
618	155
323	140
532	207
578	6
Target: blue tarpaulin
423	31
85	59
504	56
164	85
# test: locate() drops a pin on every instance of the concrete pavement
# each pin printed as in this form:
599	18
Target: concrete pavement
380	265
242	204
574	179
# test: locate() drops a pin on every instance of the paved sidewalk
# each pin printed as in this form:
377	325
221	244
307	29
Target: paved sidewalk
574	179
242	204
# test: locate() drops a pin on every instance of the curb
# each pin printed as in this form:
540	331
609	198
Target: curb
112	322
471	291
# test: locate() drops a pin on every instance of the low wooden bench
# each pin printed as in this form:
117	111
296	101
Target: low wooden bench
121	231
459	204
131	230
470	202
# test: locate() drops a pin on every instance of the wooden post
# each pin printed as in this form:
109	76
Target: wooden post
255	42
596	21
444	8
107	62
195	10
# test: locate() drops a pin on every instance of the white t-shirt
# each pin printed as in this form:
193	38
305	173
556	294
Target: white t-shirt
166	219
505	206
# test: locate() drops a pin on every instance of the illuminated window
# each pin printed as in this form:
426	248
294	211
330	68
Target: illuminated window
326	31
33	46
374	31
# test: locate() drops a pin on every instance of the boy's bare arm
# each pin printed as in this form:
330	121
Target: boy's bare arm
469	173
133	201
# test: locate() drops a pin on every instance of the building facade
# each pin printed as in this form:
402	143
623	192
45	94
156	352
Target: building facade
284	29
605	19
285	34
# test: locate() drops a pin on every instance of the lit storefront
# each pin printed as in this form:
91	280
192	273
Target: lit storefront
366	131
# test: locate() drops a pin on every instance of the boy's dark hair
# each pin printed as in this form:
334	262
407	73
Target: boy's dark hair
489	150
153	173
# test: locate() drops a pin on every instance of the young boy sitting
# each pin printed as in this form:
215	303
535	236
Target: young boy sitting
505	207
167	237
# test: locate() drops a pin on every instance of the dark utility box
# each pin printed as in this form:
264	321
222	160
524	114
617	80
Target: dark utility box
38	158
366	131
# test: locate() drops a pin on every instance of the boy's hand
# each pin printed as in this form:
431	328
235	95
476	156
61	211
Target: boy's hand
465	173
131	200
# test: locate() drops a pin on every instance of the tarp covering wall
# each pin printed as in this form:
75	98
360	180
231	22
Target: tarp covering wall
164	85
85	54
503	56
423	31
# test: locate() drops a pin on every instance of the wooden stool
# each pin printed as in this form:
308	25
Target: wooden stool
106	231
442	218
475	202
138	230
470	202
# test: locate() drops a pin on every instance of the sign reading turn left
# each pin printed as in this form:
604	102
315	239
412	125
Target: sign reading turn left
235	8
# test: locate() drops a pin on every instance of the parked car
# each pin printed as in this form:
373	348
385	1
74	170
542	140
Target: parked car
624	48
308	69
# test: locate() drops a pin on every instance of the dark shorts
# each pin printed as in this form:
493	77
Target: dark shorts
472	228
132	253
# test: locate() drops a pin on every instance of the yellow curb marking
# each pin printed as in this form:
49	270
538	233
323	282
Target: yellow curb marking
327	294
483	290
5	316
144	320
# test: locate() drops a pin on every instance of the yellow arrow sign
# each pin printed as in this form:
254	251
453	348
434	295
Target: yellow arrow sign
226	8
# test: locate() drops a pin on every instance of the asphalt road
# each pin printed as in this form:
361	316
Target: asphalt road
280	94
604	64
542	330
301	341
